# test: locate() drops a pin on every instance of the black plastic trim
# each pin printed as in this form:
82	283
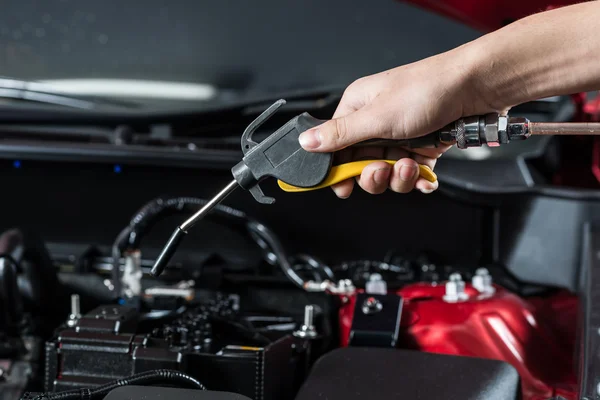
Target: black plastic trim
589	356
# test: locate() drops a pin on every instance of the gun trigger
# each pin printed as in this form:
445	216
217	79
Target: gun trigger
259	196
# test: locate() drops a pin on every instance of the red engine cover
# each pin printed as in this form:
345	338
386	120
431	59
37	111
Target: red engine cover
536	336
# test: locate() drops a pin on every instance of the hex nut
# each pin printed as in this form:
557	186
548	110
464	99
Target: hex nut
492	122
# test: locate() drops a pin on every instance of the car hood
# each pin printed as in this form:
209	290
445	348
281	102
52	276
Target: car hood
489	15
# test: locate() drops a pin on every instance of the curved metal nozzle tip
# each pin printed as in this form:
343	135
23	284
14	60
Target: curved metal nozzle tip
165	256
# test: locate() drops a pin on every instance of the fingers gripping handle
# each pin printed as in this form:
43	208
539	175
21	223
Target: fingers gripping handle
342	172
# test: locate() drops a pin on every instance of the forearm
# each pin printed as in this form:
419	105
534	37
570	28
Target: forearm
547	54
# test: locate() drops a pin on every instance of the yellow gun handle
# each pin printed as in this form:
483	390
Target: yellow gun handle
353	169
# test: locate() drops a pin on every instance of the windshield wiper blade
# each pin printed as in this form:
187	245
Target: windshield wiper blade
38	92
45	98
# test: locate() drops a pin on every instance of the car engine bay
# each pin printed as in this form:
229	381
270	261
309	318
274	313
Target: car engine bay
485	289
249	309
261	341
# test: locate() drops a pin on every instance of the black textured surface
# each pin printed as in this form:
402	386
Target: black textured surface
86	203
589	359
368	373
163	393
202	343
376	327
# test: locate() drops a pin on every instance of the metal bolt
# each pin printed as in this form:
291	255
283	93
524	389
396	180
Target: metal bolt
455	289
376	285
307	330
455	277
345	284
309	313
482	281
75	306
109	285
75	310
371	306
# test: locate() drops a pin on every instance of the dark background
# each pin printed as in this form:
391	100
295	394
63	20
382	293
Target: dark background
257	47
260	46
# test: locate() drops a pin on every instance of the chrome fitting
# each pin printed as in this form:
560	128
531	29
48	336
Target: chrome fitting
482	281
343	287
376	285
490	130
455	289
518	128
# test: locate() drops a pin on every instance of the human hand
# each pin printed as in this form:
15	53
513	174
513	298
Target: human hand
401	103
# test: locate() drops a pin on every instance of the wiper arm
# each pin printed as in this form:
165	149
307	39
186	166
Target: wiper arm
32	91
38	92
211	116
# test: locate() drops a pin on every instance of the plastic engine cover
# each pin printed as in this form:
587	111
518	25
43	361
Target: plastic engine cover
378	373
164	393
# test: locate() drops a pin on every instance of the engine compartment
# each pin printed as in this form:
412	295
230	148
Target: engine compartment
482	290
73	326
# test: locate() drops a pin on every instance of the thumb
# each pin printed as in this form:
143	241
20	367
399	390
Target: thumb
342	132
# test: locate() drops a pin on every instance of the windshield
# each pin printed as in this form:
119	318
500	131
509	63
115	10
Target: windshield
217	51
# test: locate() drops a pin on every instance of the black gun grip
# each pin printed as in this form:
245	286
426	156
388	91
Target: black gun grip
280	156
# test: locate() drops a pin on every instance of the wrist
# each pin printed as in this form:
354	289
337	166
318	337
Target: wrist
546	54
473	80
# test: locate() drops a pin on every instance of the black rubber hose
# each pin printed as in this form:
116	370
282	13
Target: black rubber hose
271	239
142	379
153	211
149	214
28	279
11	303
159	208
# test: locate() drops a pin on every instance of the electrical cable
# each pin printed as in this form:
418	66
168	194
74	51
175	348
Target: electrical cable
157	209
269	237
142	379
308	262
143	220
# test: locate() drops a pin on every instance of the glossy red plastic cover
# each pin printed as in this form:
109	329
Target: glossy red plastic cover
537	336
